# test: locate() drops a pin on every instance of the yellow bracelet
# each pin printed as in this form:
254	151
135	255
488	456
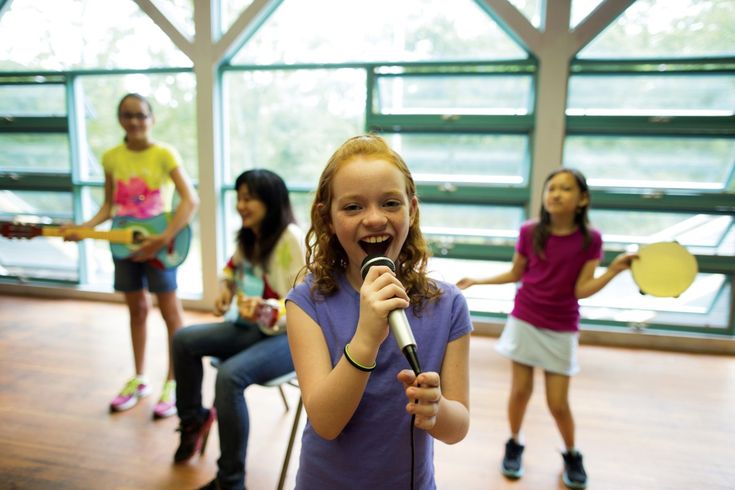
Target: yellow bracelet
359	366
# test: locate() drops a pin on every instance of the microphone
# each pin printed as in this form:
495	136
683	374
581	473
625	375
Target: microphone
399	326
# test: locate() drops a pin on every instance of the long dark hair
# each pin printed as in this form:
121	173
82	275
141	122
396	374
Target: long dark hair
542	230
269	188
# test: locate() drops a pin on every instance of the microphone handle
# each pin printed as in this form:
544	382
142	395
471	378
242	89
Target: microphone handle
413	359
401	331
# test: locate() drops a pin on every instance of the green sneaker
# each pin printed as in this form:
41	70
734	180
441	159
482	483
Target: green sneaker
166	405
134	390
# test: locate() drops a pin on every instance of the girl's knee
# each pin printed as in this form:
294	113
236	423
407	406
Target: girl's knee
559	408
521	393
231	379
185	341
138	312
179	339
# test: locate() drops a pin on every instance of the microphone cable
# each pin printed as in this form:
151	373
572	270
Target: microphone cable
406	343
417	371
413	452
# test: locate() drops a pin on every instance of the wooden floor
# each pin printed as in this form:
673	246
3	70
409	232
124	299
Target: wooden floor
646	420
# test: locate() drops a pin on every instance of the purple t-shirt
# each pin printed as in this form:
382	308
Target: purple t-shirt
373	451
546	297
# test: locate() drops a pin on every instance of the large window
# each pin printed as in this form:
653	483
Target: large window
56	124
649	119
457	103
650	122
461	124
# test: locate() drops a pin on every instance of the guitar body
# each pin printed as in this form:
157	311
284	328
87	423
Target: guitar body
167	257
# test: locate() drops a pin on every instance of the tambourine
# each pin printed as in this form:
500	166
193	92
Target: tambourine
664	269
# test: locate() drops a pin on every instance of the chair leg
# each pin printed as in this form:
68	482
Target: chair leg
283	397
291	438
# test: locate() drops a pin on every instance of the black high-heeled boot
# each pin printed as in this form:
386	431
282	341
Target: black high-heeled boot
194	436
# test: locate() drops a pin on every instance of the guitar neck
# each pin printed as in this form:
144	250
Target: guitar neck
114	236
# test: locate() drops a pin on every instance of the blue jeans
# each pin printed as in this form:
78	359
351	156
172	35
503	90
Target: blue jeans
247	356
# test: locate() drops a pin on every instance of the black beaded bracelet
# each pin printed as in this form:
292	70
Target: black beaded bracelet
356	364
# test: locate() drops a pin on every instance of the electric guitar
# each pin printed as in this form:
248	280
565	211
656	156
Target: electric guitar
125	236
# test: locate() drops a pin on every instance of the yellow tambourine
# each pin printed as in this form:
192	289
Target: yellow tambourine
664	269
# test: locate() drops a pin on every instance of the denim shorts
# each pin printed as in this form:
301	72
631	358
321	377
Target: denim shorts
134	276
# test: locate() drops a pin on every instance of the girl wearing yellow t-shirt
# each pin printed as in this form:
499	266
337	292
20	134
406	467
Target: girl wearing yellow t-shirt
140	176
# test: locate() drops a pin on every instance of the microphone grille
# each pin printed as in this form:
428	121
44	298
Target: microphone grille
372	260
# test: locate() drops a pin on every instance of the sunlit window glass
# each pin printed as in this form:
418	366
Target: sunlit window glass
704	234
291	121
455	157
636	94
668	28
531	9
454	94
44	204
472	223
32	99
704	303
26	152
660	162
181	12
82	34
581	9
409	30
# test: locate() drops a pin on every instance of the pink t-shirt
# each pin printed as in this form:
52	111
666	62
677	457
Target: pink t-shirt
546	297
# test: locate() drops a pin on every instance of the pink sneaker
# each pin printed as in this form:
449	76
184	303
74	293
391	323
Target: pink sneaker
133	391
166	405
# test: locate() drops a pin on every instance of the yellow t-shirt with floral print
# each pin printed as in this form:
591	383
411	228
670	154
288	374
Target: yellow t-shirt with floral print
142	185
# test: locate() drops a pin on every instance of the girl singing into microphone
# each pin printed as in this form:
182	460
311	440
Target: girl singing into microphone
357	389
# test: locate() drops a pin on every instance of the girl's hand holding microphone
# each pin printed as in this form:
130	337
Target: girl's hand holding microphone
381	293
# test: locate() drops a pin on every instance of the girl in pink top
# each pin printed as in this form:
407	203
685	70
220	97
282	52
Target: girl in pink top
555	261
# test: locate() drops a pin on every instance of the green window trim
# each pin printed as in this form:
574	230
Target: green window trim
33	124
651	125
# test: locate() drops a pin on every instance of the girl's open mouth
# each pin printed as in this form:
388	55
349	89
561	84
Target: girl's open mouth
376	245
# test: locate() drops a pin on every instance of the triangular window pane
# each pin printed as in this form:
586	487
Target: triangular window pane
180	11
74	34
668	28
581	9
341	31
531	9
231	10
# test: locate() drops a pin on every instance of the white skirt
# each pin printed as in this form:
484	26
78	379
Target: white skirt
550	350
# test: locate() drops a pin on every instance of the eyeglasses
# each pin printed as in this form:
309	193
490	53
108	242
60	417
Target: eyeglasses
134	115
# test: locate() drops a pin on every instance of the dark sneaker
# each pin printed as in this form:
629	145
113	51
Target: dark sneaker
574	475
512	466
213	485
194	436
